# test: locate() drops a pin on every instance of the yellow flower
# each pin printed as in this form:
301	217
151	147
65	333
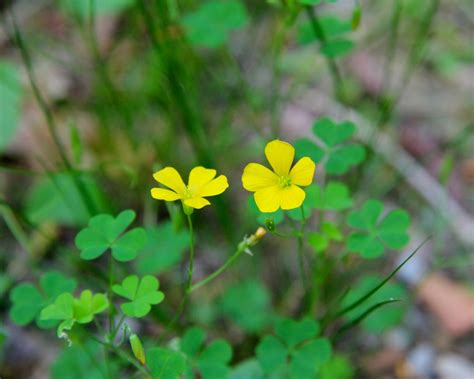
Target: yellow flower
279	188
201	183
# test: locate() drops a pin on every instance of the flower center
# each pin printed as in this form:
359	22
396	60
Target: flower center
285	181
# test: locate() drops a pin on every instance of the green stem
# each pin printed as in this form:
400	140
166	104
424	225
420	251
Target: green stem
191	255
242	247
300	237
16	229
122	354
321	35
52	128
111	306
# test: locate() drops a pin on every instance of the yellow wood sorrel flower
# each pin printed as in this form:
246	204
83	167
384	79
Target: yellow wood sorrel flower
201	183
279	188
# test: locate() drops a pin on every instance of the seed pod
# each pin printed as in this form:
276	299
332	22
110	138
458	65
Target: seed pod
137	348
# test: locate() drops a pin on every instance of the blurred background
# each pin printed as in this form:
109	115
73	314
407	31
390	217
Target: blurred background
114	90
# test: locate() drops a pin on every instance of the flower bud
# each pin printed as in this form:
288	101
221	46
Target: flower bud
137	348
270	224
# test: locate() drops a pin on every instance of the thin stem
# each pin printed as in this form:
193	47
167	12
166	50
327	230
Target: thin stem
16	229
111	306
242	247
90	205
300	237
191	254
321	35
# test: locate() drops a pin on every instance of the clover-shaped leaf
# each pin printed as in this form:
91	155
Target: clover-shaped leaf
142	293
295	349
375	233
335	196
383	318
252	314
333	148
212	361
211	23
70	310
165	363
164	248
105	232
28	300
320	240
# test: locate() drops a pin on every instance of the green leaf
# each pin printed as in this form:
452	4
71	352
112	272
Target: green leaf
71	310
56	198
337	48
337	367
253	313
375	234
333	148
332	26
318	241
271	354
192	341
79	362
142	293
307	360
249	369
28	300
165	363
82	8
164	249
89	305
335	196
261	216
210	25
384	317
293	332
213	361
105	232
10	99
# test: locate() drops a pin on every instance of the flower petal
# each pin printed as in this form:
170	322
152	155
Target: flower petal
170	178
256	177
268	199
302	172
196	202
214	187
199	176
164	194
291	197
280	154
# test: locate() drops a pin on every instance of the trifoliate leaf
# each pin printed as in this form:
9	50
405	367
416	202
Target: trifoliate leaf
335	196
142	293
164	249
375	234
307	360
211	23
333	148
165	363
297	352
293	332
71	310
271	354
252	314
104	232
28	300
211	361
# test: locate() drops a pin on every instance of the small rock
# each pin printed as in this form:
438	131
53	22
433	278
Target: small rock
420	361
452	366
